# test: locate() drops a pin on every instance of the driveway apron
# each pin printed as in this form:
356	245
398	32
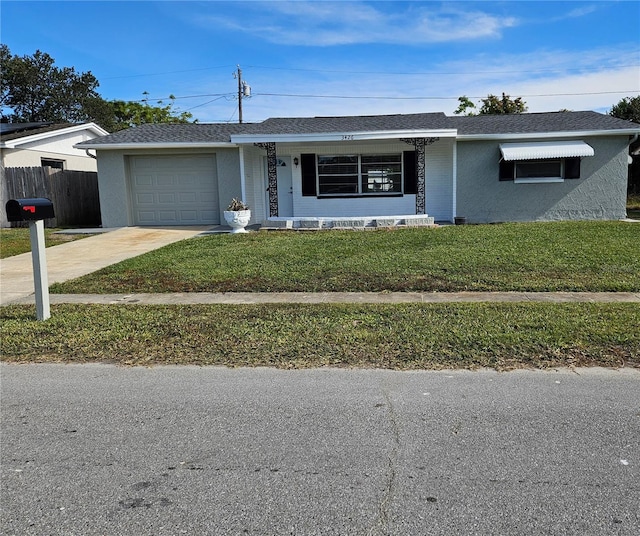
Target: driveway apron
75	259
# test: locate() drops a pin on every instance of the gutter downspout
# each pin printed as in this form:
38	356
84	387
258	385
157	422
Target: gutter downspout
90	155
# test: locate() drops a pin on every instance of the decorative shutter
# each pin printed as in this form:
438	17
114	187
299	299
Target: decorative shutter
410	172
571	168
308	163
506	170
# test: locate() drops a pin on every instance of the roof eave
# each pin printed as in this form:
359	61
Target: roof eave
343	136
14	144
550	135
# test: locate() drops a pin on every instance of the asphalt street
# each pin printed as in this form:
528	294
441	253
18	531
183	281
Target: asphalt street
105	450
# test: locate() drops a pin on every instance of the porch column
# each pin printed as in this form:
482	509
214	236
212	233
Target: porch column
420	144
272	176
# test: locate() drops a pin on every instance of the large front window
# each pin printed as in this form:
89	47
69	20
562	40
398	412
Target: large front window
340	175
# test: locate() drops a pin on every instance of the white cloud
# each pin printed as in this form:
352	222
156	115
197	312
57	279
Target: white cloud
343	23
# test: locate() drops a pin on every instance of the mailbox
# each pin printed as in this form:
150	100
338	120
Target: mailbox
33	209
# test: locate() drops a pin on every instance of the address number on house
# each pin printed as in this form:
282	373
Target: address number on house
347	137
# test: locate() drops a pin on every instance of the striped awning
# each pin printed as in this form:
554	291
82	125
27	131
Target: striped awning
544	149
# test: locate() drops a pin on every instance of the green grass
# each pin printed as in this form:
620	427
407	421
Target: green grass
566	256
17	241
408	336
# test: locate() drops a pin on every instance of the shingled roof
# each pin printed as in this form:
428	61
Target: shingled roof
160	133
361	123
220	133
14	131
543	123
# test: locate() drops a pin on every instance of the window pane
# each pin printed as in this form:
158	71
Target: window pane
337	174
382	173
345	184
56	164
543	168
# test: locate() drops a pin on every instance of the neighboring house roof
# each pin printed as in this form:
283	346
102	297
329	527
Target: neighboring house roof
548	124
13	135
10	128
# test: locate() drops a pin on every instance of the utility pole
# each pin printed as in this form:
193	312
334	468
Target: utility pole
239	94
244	90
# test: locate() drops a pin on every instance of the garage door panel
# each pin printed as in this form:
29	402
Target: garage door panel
188	197
174	190
143	180
145	199
167	180
167	199
189	215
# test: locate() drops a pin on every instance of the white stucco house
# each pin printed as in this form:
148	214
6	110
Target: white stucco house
48	144
384	169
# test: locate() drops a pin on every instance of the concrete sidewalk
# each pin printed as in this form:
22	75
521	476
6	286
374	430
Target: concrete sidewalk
75	259
236	298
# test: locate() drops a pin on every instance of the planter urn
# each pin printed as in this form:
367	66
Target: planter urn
237	220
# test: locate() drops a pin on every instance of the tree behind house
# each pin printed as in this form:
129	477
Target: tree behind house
492	105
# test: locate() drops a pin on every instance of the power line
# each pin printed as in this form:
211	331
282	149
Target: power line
381	97
385	97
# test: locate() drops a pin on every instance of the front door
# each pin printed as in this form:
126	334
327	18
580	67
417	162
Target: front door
285	187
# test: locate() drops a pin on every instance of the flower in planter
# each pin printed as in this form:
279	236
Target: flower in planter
236	205
237	215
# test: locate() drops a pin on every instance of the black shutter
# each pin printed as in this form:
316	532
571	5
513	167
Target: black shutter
506	170
571	168
308	163
410	172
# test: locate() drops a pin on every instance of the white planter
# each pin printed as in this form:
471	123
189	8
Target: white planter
237	220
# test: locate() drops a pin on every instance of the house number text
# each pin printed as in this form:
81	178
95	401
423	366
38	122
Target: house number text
347	137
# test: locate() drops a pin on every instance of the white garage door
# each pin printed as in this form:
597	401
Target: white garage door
174	190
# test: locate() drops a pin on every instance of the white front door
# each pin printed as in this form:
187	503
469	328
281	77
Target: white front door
285	187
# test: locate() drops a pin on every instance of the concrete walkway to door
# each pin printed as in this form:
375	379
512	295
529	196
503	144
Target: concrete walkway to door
74	259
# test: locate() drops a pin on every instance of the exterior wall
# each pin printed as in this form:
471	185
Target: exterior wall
114	175
58	148
228	163
600	193
112	186
439	182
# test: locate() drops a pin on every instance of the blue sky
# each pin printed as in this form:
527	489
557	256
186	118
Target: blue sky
377	57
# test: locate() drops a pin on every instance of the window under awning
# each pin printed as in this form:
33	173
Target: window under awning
544	150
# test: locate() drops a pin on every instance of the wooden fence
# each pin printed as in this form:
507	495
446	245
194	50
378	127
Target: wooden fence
74	194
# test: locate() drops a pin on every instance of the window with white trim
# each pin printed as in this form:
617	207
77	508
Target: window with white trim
346	175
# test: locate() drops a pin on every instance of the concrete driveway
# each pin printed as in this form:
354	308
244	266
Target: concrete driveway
75	259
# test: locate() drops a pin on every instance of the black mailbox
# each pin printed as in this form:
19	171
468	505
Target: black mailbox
36	208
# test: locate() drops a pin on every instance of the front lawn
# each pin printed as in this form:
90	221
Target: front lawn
17	241
406	336
564	256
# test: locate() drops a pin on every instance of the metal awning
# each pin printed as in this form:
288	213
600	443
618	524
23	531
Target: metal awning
544	150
